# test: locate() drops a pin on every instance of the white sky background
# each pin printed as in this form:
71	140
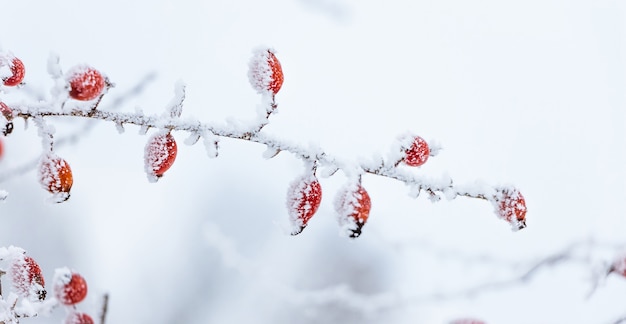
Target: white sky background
529	93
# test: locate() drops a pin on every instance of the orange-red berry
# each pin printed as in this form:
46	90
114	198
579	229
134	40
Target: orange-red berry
353	208
1	149
265	72
27	278
17	71
69	287
418	153
511	206
159	154
78	318
86	83
303	199
55	175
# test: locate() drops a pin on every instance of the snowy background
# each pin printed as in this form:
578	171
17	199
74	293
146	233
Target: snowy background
529	93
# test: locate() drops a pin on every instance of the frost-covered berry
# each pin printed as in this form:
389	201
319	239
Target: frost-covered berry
159	155
418	153
265	72
86	83
467	321
78	318
511	206
353	206
27	278
55	176
303	199
16	67
69	287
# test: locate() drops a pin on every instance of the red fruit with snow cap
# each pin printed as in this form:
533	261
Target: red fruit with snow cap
27	278
17	70
303	199
353	208
265	72
159	155
418	153
86	83
55	175
511	206
69	287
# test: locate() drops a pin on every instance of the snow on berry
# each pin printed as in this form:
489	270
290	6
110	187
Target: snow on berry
55	175
353	206
411	149
11	70
417	154
27	278
510	206
303	199
86	83
78	318
265	72
159	155
69	287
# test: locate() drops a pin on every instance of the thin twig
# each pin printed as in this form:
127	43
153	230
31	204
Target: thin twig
105	308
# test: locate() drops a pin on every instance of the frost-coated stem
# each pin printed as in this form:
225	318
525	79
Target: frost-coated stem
381	168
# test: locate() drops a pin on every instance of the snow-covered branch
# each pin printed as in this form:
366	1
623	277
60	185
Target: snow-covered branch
80	94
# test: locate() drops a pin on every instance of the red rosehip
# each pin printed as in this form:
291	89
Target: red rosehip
353	208
27	278
303	199
69	287
17	71
78	318
86	83
418	153
511	206
55	176
265	72
159	155
1	149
